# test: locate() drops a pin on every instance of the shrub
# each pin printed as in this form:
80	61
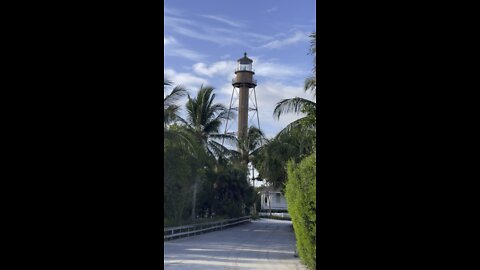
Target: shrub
301	199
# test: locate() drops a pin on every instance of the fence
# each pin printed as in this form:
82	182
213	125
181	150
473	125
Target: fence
187	230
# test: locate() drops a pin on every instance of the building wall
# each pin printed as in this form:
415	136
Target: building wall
277	200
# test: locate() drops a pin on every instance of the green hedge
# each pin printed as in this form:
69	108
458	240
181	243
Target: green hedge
300	193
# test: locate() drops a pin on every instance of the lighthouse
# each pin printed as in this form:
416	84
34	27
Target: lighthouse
244	86
244	81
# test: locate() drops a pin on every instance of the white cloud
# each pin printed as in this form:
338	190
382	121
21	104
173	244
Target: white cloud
271	9
197	30
175	49
169	41
191	82
276	70
185	53
224	20
295	38
257	37
172	11
265	69
210	32
223	68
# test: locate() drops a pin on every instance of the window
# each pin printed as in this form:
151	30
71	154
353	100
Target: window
242	67
278	197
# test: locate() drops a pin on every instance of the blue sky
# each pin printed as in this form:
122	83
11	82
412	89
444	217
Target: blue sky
204	39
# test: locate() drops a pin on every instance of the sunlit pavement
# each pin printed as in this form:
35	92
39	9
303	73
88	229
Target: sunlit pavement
261	244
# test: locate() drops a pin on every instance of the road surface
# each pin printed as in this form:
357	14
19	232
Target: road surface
261	244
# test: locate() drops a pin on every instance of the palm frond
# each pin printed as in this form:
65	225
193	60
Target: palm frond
299	124
170	114
228	137
177	93
311	85
181	138
291	105
166	82
170	108
313	50
218	150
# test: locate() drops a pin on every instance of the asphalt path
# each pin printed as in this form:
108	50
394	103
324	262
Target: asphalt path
260	244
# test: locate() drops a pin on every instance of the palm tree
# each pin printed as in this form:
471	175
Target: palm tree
204	120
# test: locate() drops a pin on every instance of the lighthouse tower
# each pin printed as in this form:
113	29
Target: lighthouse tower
245	84
243	81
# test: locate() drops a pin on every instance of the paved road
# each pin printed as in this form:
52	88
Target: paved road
261	244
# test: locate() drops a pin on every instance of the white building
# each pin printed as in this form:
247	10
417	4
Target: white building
272	199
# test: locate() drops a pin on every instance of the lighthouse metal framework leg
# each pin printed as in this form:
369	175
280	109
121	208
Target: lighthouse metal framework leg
228	114
256	107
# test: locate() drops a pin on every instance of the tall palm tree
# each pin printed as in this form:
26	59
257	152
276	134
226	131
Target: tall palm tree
204	119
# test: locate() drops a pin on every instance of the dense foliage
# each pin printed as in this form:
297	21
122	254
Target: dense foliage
226	192
301	196
179	168
272	158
